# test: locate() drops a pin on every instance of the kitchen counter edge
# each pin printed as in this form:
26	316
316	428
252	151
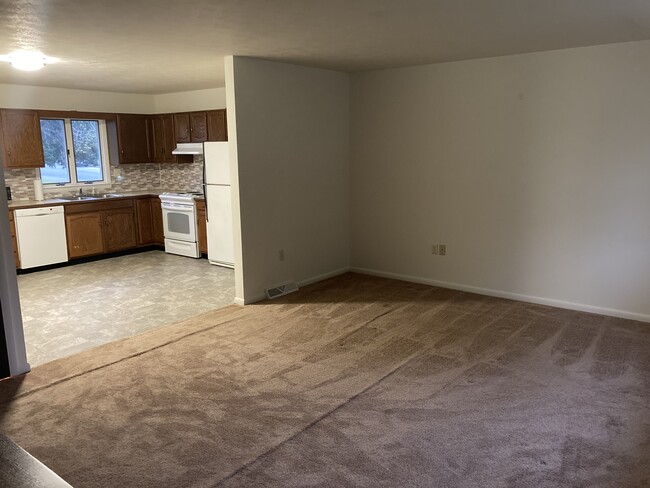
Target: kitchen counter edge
18	204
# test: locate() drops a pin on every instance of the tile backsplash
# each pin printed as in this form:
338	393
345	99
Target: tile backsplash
124	177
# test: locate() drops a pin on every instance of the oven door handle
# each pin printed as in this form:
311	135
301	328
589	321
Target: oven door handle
178	207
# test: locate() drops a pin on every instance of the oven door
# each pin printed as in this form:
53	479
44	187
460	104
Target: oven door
179	221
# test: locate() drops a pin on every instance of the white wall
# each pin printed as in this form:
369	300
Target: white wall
292	161
189	101
45	98
533	169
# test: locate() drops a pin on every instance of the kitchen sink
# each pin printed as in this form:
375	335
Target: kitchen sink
111	195
78	198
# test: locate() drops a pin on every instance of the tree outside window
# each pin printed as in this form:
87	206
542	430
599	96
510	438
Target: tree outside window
73	144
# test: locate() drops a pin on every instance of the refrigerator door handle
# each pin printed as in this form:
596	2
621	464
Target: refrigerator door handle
205	196
204	186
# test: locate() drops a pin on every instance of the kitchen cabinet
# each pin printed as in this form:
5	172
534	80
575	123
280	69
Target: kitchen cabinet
191	127
22	145
201	226
145	220
119	229
157	221
100	227
158	140
164	142
182	128
132	138
217	127
198	126
84	234
12	227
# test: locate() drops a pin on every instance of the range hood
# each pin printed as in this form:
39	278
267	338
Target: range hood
188	148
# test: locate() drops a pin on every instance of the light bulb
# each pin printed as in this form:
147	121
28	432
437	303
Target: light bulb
27	60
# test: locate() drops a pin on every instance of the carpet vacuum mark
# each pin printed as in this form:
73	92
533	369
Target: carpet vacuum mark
355	381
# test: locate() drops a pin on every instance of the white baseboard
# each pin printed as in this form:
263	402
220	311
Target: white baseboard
324	276
505	294
239	301
305	282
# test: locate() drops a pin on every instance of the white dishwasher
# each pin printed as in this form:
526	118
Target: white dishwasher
41	236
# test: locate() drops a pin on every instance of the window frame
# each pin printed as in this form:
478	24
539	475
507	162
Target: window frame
72	163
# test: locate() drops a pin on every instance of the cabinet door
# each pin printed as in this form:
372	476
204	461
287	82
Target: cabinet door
182	127
217	129
119	229
201	227
167	122
133	137
199	126
84	234
12	227
157	221
145	220
22	145
158	139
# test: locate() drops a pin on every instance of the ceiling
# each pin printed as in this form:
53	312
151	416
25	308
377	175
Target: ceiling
163	46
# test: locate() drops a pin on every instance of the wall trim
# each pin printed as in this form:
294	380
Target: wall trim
324	276
301	283
509	295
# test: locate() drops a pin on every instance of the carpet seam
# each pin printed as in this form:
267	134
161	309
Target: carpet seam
125	358
316	421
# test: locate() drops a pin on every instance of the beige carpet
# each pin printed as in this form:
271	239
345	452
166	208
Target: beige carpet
356	381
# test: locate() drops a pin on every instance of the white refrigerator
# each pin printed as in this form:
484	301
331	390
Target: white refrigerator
218	205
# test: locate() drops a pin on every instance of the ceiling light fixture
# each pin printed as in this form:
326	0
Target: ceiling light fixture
28	60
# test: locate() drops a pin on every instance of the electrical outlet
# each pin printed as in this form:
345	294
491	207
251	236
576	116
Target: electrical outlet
434	248
442	249
281	254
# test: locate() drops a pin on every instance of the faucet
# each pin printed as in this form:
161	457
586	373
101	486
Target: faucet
81	192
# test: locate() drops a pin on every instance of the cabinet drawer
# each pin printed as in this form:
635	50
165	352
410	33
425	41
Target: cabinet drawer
96	206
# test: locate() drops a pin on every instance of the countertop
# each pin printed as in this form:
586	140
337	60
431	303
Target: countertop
14	204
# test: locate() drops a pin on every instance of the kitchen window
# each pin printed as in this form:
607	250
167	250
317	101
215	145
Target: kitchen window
76	152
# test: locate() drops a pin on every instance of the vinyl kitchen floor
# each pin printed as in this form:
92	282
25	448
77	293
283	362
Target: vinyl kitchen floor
74	308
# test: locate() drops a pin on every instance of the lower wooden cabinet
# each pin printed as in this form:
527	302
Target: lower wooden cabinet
150	221
84	234
100	227
201	227
157	221
145	220
12	226
119	229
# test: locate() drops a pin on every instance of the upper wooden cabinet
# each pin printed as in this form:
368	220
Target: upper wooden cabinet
201	126
198	126
22	145
182	127
164	141
133	138
191	127
217	127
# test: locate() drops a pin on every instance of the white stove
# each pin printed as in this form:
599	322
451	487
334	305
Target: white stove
179	222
